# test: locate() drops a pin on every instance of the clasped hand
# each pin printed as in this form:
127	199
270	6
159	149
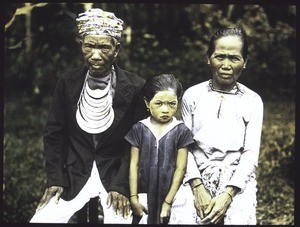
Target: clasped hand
211	210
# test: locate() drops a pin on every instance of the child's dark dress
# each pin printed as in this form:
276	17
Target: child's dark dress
157	160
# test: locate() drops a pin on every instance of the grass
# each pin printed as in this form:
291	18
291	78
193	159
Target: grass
276	165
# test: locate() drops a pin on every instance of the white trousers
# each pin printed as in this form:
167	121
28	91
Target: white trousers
64	210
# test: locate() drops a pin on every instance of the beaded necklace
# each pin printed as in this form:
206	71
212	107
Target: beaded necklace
233	91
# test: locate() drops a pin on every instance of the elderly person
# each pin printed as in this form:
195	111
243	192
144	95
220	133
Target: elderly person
226	120
93	108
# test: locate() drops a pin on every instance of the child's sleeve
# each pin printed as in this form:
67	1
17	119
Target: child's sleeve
133	135
185	137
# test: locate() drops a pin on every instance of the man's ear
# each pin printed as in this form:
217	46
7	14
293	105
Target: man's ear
81	43
118	46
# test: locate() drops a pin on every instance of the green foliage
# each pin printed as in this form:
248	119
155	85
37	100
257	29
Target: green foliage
157	38
54	49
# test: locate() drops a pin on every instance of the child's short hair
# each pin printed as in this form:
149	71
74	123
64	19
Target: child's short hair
161	82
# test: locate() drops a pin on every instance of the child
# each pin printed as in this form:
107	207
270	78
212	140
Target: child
159	151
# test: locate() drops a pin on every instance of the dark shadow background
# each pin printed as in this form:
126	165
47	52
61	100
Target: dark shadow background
41	43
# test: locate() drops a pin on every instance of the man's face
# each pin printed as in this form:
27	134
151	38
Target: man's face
99	52
227	62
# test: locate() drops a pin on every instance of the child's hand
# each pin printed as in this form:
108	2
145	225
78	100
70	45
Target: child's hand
165	213
138	209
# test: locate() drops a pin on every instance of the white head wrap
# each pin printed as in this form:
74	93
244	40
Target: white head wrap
99	22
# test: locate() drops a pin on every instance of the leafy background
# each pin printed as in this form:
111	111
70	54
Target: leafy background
41	42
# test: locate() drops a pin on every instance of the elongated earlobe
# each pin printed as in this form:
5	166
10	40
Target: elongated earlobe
118	45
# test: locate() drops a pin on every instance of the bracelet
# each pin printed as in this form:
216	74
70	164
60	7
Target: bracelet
168	203
134	195
231	196
197	185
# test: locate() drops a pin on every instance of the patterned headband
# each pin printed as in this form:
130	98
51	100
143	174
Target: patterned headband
99	22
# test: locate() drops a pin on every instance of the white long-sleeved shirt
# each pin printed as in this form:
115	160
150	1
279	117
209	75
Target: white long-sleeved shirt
222	123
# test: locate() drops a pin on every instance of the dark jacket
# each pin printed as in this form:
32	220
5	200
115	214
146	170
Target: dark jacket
70	151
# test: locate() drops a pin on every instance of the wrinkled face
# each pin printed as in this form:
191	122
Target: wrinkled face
163	106
226	62
99	52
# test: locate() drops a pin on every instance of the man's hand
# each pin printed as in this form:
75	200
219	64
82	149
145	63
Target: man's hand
217	209
120	203
48	194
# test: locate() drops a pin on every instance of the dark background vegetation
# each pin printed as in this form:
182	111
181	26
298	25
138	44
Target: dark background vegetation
41	43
